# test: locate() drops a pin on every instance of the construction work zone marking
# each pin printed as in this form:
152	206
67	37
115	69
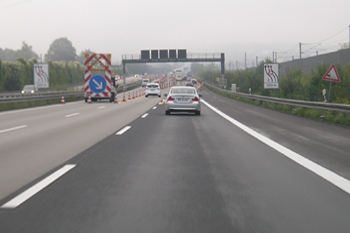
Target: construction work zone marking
155	107
144	115
104	61
121	132
37	188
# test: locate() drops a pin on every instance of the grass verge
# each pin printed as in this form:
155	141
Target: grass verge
36	103
328	116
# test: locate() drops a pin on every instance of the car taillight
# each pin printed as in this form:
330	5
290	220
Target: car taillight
195	99
170	98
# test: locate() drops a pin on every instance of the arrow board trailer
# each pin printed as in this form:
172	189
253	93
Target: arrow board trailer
98	79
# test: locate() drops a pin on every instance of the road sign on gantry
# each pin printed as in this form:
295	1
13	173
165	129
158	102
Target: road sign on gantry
332	75
98	85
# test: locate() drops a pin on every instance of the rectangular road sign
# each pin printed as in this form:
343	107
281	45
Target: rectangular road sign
41	75
271	78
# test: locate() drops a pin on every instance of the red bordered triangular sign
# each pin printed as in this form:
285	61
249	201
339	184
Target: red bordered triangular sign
332	75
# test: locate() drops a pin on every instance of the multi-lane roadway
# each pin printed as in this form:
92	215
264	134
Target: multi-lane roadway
128	167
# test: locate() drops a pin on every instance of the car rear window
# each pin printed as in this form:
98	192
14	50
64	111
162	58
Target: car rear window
152	86
183	91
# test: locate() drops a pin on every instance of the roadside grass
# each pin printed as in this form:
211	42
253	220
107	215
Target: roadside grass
327	116
37	103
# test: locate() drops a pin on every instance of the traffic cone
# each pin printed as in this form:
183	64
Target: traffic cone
62	100
115	99
129	96
133	95
89	100
124	97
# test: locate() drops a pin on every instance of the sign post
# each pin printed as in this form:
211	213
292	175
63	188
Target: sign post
331	76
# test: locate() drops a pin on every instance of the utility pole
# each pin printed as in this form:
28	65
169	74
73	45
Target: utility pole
257	63
245	61
300	50
273	56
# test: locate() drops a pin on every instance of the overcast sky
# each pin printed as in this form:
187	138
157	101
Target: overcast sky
200	26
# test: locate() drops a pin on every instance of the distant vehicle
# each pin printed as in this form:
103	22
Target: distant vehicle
178	75
153	89
189	83
189	74
144	82
28	89
183	99
194	81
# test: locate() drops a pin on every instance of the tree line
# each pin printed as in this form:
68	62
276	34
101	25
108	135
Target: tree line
65	67
294	85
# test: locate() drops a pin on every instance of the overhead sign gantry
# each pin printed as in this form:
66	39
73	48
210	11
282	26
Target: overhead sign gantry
173	55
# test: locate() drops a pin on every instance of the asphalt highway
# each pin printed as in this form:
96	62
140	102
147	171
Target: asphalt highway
177	173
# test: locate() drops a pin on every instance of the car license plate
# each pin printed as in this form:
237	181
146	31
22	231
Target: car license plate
152	89
182	99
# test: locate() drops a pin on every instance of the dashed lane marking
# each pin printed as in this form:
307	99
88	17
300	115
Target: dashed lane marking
74	114
12	129
121	132
37	188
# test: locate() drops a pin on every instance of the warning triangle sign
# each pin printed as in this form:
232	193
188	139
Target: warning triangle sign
332	75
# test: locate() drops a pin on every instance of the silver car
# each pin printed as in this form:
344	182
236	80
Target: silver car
183	99
28	89
153	89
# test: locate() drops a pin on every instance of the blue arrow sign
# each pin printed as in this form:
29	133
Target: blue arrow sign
97	84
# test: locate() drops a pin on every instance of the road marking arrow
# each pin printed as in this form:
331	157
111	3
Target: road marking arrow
99	86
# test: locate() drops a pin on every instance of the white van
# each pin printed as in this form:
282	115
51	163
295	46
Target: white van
144	82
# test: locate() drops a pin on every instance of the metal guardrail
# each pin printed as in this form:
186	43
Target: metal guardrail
40	96
18	97
345	108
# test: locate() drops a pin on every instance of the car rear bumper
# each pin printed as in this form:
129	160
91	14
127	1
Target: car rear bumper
182	107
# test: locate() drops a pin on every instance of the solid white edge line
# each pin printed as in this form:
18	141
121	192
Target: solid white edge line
74	114
126	128
37	187
14	128
326	174
144	115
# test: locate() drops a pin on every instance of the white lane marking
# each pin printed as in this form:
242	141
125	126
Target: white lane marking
74	114
326	174
144	115
37	187
102	107
155	107
14	128
126	128
38	108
